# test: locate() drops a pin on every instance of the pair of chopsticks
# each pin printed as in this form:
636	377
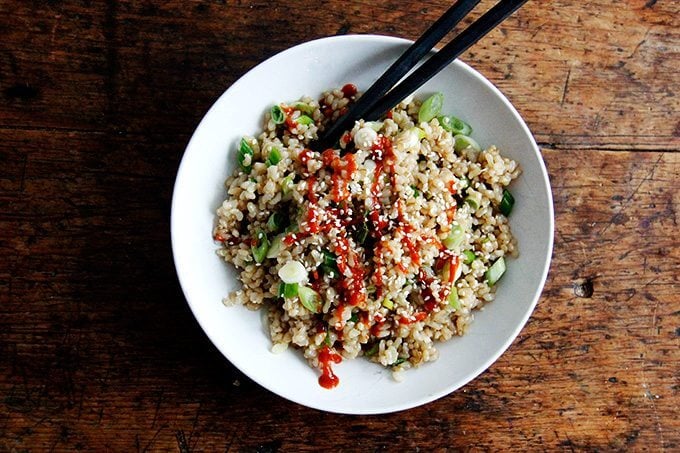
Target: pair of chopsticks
383	94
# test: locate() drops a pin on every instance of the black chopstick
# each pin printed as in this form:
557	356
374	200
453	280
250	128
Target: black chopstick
375	104
398	69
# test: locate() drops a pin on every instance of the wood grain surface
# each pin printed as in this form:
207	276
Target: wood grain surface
98	349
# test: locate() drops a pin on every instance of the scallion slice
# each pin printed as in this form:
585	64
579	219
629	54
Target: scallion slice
274	156
260	246
507	202
309	298
455	125
287	184
453	300
361	232
469	256
462	142
278	115
430	108
275	222
474	199
276	246
245	156
455	237
290	290
304	119
496	271
292	272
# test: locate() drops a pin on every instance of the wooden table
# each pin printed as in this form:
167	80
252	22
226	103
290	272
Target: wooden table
98	349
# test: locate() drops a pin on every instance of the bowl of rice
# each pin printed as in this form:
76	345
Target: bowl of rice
375	275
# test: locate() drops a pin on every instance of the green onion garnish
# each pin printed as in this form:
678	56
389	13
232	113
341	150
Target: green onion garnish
462	142
290	290
507	202
287	184
455	237
260	246
275	222
278	116
399	361
430	108
309	298
455	125
469	256
274	157
304	119
496	271
373	350
453	300
245	156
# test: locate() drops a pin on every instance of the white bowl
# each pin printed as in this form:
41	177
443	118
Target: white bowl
240	334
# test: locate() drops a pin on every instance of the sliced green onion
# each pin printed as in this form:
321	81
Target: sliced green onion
462	142
354	317
276	246
329	259
292	228
387	303
290	290
274	157
281	290
304	119
327	340
373	350
420	133
305	108
464	182
276	221
260	247
474	199
278	115
361	232
416	192
454	125
469	256
309	298
454	301
507	202
399	361
496	271
371	289
332	272
455	237
245	156
287	184
430	108
292	272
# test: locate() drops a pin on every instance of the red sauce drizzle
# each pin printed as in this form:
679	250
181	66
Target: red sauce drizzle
349	90
304	157
328	379
290	123
311	195
416	317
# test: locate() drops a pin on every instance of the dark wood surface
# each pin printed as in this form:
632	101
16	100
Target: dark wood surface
98	349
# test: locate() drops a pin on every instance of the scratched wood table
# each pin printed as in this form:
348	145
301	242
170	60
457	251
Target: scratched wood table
98	349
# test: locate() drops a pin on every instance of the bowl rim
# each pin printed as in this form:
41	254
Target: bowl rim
428	397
